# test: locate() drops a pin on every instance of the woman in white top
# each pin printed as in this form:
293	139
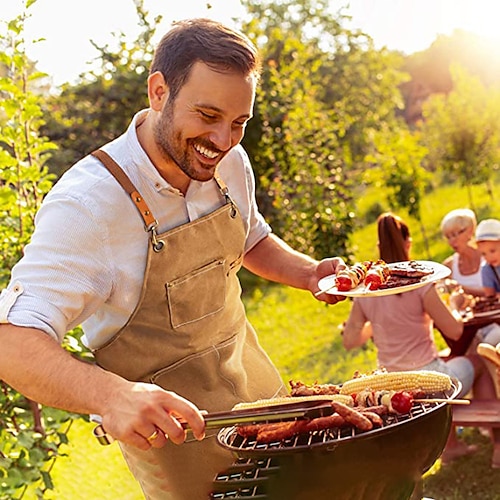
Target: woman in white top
458	227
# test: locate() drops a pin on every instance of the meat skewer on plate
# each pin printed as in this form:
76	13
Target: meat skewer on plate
377	275
351	276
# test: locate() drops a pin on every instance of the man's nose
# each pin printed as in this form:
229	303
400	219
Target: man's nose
223	136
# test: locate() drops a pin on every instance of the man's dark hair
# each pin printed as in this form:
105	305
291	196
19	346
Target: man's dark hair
207	41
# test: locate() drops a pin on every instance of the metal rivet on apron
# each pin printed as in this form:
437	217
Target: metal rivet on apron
158	246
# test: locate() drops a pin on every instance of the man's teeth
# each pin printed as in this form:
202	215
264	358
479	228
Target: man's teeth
206	152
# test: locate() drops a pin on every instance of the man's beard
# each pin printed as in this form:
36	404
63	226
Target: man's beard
170	145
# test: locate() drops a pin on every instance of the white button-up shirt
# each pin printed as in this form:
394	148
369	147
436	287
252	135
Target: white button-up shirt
86	259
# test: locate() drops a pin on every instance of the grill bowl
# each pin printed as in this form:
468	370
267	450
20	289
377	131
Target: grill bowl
385	463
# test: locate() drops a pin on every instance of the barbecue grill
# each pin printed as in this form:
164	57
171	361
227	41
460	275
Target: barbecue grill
341	463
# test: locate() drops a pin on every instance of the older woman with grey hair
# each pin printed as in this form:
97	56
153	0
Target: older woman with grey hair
458	227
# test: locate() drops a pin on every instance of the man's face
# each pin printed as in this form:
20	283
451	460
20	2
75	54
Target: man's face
206	119
490	250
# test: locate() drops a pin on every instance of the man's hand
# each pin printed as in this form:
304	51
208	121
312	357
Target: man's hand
38	367
145	416
327	267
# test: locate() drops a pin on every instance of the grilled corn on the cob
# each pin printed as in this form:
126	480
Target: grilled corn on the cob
340	398
421	380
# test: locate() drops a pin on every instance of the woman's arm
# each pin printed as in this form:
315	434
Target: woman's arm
357	331
477	292
489	292
446	321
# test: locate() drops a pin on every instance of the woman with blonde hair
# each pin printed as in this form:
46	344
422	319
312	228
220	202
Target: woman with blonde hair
458	227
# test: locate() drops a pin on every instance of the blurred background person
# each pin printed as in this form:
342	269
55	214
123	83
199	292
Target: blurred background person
402	329
458	227
488	242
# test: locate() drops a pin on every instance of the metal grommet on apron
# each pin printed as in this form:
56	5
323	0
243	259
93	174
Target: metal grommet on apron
189	334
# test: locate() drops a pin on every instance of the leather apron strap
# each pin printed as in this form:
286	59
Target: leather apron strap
150	223
128	186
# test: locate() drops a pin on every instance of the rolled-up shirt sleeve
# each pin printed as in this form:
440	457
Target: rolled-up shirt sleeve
64	275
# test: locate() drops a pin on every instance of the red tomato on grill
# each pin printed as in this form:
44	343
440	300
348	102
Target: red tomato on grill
402	402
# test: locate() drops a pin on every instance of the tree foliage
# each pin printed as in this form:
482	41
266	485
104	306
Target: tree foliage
462	131
475	54
99	108
24	176
323	89
30	436
399	171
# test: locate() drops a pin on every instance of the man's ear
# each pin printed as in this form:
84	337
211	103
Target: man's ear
157	91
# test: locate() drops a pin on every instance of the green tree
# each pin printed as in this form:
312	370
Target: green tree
399	172
99	108
30	436
462	131
24	153
323	89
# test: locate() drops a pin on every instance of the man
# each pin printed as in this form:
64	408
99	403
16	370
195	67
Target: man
141	244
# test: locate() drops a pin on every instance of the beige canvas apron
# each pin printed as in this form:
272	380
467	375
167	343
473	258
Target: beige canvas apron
189	334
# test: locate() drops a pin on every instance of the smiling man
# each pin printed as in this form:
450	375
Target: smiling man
193	133
141	243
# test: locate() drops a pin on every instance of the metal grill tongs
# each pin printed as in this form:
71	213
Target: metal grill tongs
298	410
295	410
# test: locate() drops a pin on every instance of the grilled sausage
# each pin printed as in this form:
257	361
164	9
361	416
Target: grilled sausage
353	416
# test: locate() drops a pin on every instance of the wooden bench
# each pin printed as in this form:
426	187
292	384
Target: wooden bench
479	413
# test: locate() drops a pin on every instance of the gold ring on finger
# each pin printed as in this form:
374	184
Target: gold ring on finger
153	436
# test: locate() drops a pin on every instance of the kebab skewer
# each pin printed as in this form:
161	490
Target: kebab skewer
372	274
351	276
377	275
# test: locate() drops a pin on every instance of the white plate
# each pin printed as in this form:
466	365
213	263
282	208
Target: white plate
327	284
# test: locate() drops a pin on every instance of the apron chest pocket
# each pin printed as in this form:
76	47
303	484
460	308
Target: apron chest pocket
197	295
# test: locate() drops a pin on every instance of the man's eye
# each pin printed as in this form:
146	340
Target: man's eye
207	115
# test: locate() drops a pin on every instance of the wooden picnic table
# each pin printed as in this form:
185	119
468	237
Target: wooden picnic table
472	324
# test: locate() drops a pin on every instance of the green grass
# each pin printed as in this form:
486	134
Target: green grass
90	471
302	337
427	240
